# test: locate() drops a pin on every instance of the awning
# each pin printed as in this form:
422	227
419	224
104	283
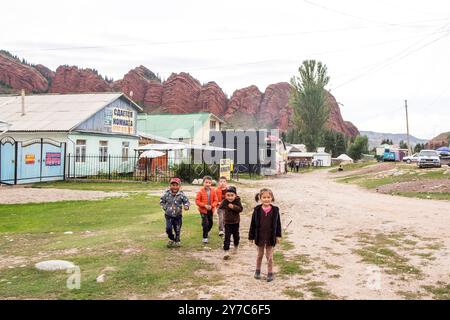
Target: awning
181	146
162	146
151	154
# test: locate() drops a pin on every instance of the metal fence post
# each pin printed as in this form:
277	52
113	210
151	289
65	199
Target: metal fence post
109	167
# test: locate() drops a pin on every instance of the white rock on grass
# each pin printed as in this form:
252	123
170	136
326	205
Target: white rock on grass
68	232
53	265
101	278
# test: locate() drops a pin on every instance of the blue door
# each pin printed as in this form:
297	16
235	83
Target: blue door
7	160
29	162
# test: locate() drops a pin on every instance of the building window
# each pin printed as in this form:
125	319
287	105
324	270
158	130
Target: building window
103	151
212	125
80	151
125	148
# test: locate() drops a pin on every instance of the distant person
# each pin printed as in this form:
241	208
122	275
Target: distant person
340	168
265	230
291	165
297	165
220	192
172	202
232	207
206	201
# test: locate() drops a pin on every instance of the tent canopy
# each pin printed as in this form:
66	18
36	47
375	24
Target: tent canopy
344	157
444	149
151	154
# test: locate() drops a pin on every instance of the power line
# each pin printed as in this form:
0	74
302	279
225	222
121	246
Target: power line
367	19
397	57
159	43
293	59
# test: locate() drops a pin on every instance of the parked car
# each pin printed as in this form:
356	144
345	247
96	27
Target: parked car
413	158
429	158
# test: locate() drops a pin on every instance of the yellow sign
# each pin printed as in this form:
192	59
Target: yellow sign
225	168
30	158
122	121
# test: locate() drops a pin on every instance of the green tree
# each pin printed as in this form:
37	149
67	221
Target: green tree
419	147
359	147
308	99
341	145
403	145
329	142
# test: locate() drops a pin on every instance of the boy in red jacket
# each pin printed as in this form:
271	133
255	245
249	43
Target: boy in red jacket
206	201
221	191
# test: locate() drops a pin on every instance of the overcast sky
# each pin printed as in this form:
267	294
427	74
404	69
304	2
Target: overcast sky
378	53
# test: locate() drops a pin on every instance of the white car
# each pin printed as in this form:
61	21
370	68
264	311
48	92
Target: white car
429	158
413	158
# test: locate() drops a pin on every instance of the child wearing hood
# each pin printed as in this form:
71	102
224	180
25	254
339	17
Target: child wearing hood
232	207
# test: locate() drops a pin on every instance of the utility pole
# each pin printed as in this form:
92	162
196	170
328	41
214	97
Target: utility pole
407	127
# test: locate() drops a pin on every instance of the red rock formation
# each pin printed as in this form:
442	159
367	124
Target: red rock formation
153	95
46	72
275	107
137	81
352	129
74	80
181	92
335	121
212	99
441	140
244	101
19	76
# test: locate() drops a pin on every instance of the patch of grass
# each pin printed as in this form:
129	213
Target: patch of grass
291	266
293	293
318	292
377	250
440	292
411	295
125	233
101	185
425	195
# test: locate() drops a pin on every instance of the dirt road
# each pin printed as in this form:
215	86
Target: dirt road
404	243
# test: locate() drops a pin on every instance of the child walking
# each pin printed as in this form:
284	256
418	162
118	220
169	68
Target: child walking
206	201
172	202
265	230
220	191
232	207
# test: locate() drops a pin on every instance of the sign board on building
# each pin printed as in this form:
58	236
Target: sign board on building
53	159
122	121
30	158
225	168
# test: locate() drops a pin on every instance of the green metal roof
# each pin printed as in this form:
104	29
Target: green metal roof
172	125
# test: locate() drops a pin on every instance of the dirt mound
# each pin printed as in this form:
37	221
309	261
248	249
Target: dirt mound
427	185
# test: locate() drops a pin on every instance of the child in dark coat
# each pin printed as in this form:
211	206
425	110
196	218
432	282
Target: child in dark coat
265	230
232	207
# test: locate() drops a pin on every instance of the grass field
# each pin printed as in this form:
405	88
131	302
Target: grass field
121	237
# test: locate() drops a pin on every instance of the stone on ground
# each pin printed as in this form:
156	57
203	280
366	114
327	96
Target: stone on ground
53	265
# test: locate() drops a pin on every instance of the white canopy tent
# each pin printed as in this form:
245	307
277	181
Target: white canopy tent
345	158
150	154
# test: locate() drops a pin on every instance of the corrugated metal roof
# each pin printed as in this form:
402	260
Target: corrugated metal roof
166	125
53	112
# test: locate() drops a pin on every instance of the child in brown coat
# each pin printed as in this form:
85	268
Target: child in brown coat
232	207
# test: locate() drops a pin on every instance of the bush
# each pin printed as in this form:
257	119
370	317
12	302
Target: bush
188	172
